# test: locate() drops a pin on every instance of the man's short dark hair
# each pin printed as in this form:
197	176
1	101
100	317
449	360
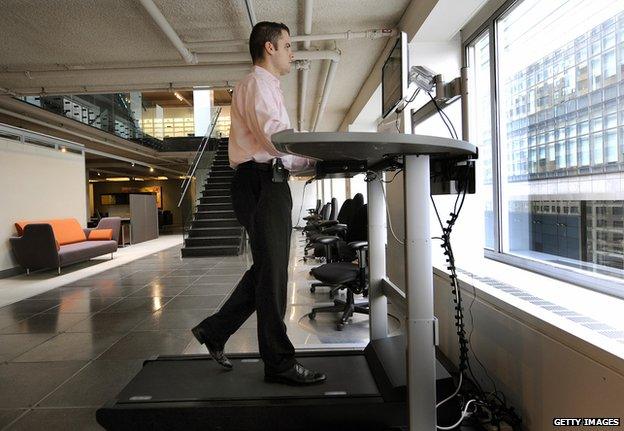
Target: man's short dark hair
261	33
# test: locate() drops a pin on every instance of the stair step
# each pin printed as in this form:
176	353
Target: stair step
221	182
212	241
215	191
208	232
223	222
212	215
222	169
222	175
210	251
215	200
215	207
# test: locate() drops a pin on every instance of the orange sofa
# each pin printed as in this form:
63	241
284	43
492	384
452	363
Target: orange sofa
61	242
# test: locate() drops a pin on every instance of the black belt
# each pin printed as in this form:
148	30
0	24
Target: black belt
255	165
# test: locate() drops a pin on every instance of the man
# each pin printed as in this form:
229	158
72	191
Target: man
263	206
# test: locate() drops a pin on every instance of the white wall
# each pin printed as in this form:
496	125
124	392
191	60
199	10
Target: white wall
540	369
38	183
443	58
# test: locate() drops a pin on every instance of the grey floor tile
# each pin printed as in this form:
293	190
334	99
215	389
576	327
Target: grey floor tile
92	305
209	279
70	347
95	282
188	272
13	345
173	319
110	322
155	288
9	415
58	420
138	278
137	305
115	290
190	302
65	293
22	385
144	345
45	323
27	306
209	289
9	318
97	383
245	340
183	280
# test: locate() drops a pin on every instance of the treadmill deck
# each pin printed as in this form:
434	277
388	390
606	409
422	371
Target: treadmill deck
181	379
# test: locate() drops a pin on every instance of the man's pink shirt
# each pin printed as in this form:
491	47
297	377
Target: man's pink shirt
258	111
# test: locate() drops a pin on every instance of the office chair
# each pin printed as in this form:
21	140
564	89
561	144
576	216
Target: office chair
345	218
345	275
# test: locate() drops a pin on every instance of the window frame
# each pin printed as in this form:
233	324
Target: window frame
610	286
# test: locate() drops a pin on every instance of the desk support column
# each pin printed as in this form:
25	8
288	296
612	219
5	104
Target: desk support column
419	292
377	260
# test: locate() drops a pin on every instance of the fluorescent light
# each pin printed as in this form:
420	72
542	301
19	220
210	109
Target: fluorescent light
118	179
162	178
138	179
179	96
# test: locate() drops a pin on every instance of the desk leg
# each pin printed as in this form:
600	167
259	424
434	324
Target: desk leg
377	236
421	373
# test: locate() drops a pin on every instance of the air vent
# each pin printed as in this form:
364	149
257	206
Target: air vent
573	316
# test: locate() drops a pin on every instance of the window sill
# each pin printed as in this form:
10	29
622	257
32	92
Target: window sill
587	321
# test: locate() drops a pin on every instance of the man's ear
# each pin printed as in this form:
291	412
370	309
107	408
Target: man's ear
268	46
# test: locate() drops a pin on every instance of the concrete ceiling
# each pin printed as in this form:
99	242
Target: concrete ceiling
53	39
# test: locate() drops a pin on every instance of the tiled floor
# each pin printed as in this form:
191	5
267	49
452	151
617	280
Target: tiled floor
65	352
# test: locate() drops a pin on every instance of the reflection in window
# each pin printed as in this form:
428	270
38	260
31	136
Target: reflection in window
561	87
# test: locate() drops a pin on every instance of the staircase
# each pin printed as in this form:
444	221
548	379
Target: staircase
215	231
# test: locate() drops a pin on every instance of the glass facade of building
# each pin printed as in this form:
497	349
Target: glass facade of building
558	188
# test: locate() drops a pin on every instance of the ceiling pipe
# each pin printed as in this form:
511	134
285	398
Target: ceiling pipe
7	91
250	13
90	138
331	73
307	29
171	34
243	57
372	34
65	73
64	90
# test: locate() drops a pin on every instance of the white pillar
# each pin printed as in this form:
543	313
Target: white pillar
202	108
421	372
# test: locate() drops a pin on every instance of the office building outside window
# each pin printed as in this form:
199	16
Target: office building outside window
560	109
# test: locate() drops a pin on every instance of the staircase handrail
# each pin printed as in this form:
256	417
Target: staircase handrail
198	156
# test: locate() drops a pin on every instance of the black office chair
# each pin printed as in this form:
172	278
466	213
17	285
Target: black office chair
339	227
346	275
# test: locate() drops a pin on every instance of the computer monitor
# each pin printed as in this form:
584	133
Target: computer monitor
394	76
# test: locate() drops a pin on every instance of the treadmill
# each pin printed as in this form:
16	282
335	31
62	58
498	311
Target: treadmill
394	383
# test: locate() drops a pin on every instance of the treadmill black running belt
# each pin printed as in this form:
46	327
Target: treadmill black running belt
200	379
364	391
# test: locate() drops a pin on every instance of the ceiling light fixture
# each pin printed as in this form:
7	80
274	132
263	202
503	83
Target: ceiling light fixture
151	169
118	179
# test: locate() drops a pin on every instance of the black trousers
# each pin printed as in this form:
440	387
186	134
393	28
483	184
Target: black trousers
264	209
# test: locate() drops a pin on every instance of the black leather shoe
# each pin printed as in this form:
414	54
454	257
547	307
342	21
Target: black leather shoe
297	376
215	351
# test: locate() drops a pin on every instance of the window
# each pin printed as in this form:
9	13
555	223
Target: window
555	203
479	59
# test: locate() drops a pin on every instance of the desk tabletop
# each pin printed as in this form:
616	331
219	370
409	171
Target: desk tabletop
369	146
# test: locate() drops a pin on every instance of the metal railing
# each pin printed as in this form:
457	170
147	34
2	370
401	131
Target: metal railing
198	156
